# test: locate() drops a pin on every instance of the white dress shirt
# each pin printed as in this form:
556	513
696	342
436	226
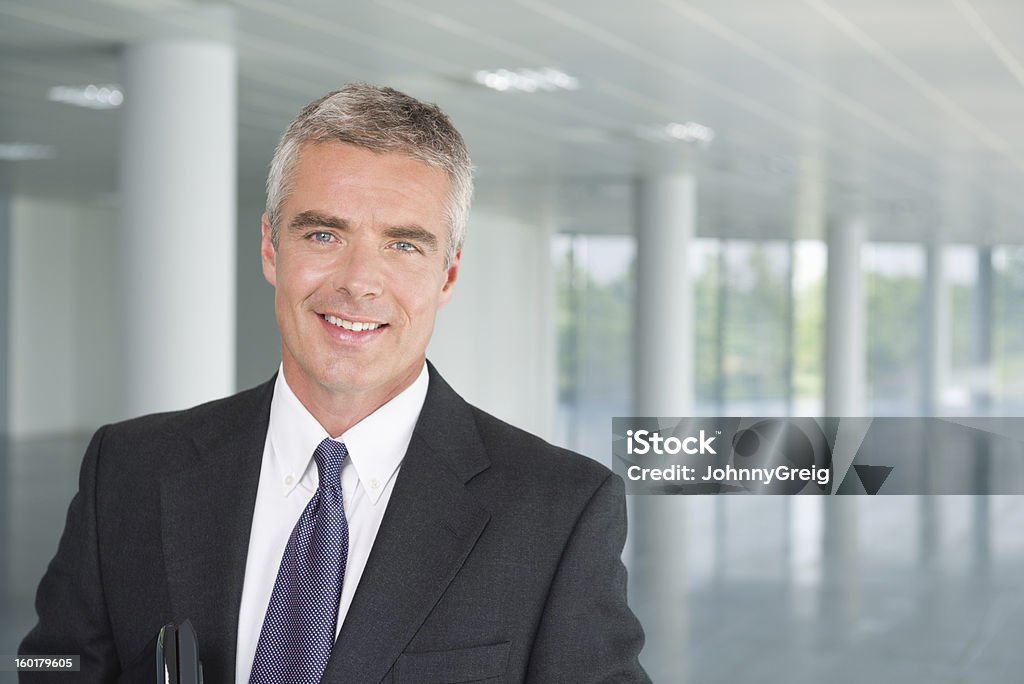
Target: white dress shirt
288	480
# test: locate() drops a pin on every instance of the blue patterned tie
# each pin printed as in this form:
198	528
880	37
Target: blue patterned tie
298	631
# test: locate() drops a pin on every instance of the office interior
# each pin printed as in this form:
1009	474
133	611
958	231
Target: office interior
683	207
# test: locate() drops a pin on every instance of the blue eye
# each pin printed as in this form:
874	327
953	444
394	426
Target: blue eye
405	247
321	237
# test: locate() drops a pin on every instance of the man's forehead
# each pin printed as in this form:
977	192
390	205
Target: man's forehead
345	164
321	149
351	183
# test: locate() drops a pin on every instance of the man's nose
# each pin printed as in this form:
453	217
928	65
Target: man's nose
358	271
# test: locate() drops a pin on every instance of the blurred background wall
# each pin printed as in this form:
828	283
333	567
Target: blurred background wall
791	207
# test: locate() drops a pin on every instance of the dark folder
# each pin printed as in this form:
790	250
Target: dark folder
177	655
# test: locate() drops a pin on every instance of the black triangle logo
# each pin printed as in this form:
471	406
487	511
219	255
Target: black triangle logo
872	477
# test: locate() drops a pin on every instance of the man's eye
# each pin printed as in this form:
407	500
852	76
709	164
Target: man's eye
405	247
320	236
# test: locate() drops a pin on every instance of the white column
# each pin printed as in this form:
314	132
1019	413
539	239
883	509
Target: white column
505	259
981	337
666	217
935	337
845	333
845	322
664	338
178	187
935	347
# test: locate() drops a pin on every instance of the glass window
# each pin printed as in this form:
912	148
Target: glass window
594	276
894	276
1008	331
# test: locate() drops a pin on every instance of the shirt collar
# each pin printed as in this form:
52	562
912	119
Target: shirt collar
376	444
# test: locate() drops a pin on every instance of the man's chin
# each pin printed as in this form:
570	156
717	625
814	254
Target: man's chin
348	381
368	380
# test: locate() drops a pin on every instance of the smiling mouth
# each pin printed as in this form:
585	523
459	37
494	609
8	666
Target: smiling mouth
355	326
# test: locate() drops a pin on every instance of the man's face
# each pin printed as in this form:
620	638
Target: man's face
359	270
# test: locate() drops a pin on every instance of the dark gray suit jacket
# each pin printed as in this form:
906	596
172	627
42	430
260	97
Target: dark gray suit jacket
497	559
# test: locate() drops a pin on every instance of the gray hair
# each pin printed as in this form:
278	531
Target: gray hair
381	120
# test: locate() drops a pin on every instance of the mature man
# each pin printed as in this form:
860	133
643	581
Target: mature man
352	520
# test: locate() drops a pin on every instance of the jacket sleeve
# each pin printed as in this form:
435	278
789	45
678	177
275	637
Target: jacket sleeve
72	614
587	632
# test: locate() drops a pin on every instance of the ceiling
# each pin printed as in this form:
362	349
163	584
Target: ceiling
906	113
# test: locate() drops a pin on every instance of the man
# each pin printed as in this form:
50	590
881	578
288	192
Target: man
353	520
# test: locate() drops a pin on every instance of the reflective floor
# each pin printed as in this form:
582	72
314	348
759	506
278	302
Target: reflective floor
846	589
730	589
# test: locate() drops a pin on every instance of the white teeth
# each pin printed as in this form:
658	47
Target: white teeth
351	325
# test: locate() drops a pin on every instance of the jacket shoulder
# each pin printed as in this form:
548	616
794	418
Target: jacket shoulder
223	412
531	457
165	442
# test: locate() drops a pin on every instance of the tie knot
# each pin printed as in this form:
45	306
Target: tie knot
330	456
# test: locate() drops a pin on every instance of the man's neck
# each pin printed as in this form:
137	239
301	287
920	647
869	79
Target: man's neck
337	411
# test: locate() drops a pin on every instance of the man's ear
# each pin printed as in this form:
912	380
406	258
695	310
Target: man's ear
268	253
451	275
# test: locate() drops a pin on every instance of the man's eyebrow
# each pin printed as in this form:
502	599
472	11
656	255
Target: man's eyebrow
314	219
413	233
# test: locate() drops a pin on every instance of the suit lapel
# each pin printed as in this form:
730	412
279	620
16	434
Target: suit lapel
428	530
206	519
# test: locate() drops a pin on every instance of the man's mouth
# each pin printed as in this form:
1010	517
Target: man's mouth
355	326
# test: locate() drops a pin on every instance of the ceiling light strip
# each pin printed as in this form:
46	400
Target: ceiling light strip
915	80
1008	59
